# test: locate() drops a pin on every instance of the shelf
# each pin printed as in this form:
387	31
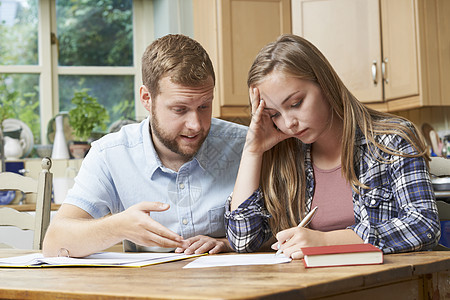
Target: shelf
29	207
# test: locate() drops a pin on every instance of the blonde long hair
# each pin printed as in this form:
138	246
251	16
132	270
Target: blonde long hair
283	179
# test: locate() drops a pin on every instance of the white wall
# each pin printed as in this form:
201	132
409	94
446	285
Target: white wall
173	16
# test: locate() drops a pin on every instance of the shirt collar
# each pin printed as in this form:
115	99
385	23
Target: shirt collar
151	156
202	155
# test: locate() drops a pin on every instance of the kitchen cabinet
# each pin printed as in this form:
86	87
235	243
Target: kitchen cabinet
232	32
392	55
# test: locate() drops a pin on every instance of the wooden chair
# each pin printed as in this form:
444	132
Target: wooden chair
42	187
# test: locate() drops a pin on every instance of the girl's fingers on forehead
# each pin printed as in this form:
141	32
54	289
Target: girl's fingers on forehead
255	98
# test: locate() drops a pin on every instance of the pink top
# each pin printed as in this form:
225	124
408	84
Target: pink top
333	196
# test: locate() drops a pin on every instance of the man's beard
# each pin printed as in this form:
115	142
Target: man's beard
171	143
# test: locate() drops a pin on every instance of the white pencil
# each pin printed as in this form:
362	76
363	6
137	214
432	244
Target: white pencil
303	223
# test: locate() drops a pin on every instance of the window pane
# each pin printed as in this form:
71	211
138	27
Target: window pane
95	33
20	94
116	93
18	32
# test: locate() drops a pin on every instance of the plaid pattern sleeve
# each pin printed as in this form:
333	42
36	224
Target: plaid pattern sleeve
398	213
246	227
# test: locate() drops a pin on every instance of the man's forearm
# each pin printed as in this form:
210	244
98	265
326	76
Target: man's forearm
80	237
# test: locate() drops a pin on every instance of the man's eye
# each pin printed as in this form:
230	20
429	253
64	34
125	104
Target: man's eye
179	109
206	106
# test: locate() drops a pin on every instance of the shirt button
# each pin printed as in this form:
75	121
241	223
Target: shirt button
373	202
185	221
181	185
429	235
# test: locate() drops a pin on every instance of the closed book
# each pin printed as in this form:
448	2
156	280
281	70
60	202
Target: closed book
342	255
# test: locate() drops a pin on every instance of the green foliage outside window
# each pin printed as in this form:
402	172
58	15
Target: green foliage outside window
19	35
123	110
21	101
19	93
116	93
90	33
95	33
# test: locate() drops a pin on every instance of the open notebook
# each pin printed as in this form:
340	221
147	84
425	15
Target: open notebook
101	259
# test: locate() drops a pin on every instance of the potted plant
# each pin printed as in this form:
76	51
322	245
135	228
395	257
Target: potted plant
86	115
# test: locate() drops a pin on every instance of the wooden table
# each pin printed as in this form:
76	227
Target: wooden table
421	275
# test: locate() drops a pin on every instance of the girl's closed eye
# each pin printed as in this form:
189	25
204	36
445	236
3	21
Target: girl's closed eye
297	104
274	115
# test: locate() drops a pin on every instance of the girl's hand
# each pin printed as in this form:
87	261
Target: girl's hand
262	134
204	244
291	240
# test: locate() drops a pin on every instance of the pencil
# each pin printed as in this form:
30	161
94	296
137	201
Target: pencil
303	223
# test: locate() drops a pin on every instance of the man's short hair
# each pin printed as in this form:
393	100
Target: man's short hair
177	56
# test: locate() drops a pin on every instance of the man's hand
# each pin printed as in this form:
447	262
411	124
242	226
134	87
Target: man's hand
202	244
75	230
138	227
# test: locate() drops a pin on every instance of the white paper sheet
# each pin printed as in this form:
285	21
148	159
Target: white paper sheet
237	260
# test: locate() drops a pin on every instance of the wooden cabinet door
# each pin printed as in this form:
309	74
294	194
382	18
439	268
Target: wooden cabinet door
233	32
245	27
348	33
399	49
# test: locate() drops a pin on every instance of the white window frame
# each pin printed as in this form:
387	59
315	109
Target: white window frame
173	16
141	36
48	69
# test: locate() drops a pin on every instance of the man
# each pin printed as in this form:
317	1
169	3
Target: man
161	184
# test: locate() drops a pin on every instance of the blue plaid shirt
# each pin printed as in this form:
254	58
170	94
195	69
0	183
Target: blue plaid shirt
397	213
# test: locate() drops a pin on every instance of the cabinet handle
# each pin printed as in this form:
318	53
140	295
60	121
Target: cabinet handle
384	70
374	72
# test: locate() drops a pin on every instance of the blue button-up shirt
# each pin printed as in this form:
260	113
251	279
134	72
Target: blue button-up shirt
123	169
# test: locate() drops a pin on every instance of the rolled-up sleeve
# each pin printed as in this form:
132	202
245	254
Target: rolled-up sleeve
247	227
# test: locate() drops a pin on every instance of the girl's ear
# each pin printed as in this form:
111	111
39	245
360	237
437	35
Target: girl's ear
145	97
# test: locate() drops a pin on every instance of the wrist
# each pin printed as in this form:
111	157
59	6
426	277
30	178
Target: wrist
115	225
340	237
253	154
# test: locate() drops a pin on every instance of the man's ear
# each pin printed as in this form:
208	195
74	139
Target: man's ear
145	97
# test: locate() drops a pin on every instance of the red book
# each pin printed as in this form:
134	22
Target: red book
342	255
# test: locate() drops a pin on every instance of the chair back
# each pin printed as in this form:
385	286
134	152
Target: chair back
42	188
